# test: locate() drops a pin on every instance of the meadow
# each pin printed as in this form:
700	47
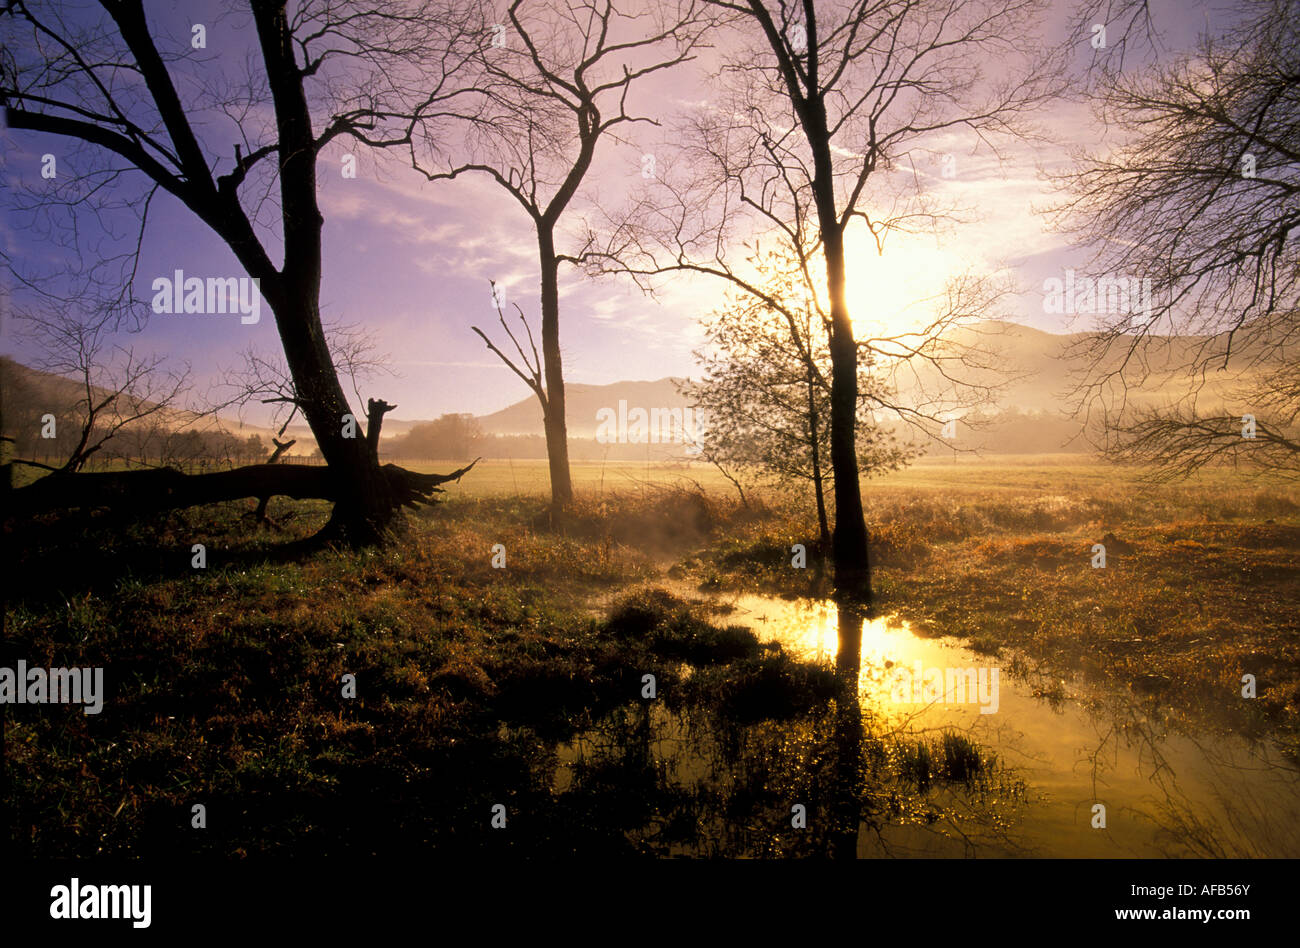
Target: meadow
224	682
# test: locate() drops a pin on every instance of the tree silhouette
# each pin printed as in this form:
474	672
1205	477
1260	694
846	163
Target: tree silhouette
766	390
329	70
814	107
1200	198
557	83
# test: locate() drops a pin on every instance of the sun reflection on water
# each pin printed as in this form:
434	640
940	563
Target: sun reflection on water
810	630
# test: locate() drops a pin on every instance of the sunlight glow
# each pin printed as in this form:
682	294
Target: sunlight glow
891	293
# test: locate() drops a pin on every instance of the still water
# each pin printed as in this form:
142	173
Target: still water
907	760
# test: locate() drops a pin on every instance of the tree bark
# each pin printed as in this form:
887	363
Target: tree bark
364	506
557	437
376	409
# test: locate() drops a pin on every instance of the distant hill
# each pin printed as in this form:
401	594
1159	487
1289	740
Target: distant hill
1042	366
582	403
27	394
1046	367
1036	370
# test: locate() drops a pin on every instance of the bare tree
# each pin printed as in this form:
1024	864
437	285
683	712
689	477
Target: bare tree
327	70
817	105
559	82
117	387
265	379
1198	199
1174	442
530	371
1116	28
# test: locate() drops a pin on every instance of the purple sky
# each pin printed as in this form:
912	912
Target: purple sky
411	261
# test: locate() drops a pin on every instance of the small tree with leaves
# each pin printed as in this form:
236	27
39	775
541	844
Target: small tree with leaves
766	393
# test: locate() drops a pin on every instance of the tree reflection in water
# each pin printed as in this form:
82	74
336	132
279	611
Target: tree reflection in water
718	776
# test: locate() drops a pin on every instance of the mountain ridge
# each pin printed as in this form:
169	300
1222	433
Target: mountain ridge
1042	362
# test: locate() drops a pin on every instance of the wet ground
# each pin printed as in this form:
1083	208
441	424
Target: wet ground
930	749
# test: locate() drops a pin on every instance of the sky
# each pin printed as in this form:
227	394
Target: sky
411	260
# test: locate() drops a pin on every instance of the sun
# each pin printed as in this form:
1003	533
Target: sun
894	292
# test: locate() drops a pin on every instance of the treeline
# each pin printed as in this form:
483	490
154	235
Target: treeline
460	437
154	445
44	419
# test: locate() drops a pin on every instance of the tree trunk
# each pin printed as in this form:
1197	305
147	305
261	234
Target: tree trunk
819	487
823	526
849	540
364	505
849	543
557	436
265	500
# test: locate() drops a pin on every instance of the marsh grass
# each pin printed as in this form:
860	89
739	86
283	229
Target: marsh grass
1200	586
224	683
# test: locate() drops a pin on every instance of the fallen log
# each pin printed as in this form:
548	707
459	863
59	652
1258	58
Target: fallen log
262	502
169	489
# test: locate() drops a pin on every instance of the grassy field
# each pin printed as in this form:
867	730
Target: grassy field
225	682
530	477
964	477
1199	588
